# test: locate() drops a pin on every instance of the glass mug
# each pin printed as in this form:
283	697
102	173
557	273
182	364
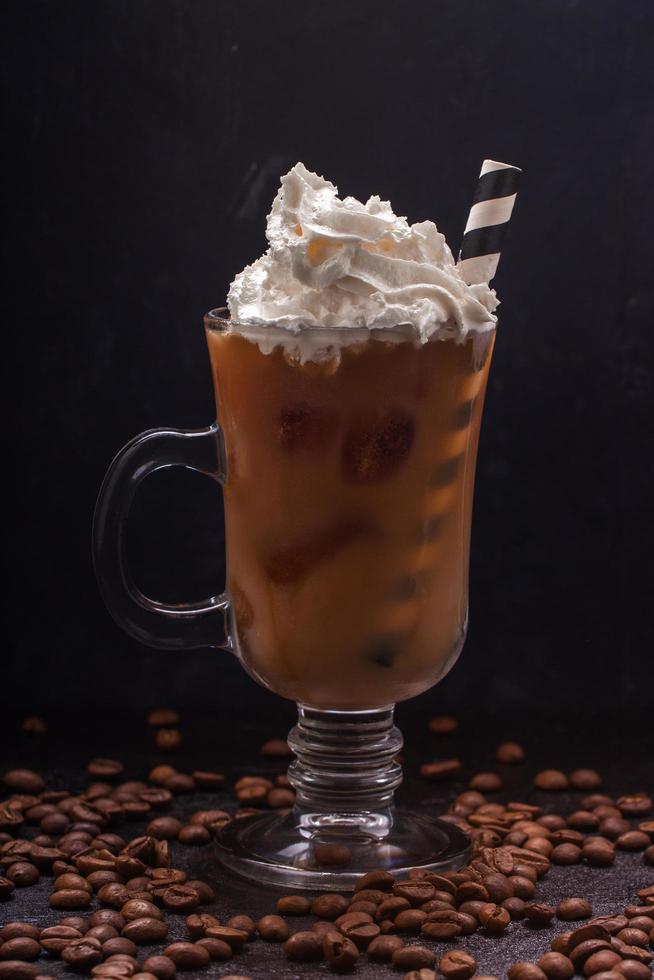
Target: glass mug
347	482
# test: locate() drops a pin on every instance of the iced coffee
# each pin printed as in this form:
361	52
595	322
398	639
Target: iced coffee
350	377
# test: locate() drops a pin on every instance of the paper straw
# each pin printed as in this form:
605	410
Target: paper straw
489	215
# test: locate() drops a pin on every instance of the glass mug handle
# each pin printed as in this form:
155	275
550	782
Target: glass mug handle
160	624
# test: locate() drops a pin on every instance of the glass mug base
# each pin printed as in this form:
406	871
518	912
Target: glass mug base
344	823
281	850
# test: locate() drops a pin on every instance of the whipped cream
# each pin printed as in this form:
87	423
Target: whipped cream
348	270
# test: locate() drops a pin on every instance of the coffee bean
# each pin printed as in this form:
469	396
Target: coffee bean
410	920
379	879
582	951
236	938
137	908
423	974
17	970
180	898
119	946
273	928
561	943
54	938
329	906
279	797
633	840
76	922
494	918
593	930
340	952
70	880
457	965
566	854
20	948
276	748
70	898
510	753
556	966
187	956
216	948
633	937
145	930
486	782
442	925
636	805
105	768
205	892
108	917
23	874
168	739
633	970
415	892
515	907
293	905
413	958
82	953
604	959
538	913
303	946
208	781
161	774
180	783
194	834
526	971
243	923
164	828
161	966
113	894
551	780
443	725
585	779
15	930
573	908
648	858
24	781
598	854
382	948
444	769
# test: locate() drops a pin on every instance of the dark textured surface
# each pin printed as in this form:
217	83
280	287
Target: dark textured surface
145	142
622	750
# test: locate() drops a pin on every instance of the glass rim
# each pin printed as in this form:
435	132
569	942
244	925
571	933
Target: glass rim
219	319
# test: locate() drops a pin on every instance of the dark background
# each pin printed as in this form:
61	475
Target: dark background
144	142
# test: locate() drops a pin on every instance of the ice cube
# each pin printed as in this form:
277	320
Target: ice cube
376	445
289	564
306	428
385	650
463	414
445	473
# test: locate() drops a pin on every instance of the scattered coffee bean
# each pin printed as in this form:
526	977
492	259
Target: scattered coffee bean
486	782
303	946
24	781
585	779
444	769
180	898
551	780
81	954
633	840
443	725
70	898
205	892
510	753
603	959
20	948
235	938
526	971
340	952
187	956
329	906
598	853
163	718
494	918
23	874
194	834
216	948
382	948
15	930
413	958
332	854
633	970
17	970
161	966
6	888
120	946
565	854
164	828
636	805
294	905
168	740
570	909
105	768
457	965
276	748
380	880
539	914
145	930
273	928
208	781
556	966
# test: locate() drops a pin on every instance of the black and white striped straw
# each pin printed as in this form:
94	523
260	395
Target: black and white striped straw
489	215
